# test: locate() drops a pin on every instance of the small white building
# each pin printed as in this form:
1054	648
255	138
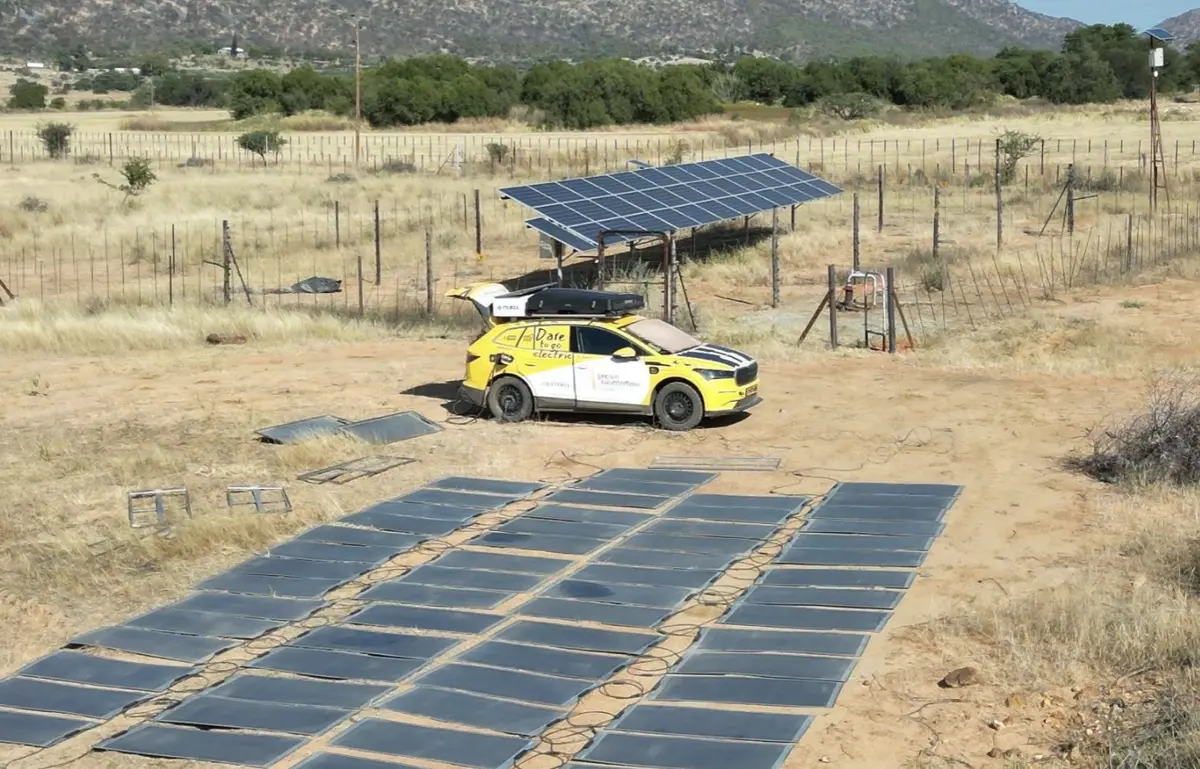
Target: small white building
34	65
228	51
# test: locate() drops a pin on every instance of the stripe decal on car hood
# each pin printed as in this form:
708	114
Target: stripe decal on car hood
714	353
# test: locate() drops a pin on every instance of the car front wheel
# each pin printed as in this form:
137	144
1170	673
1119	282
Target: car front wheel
678	406
509	400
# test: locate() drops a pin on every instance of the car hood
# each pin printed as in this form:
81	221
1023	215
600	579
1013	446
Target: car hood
716	354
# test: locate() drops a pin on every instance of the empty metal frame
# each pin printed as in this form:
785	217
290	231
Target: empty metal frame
264	499
159	512
722	464
163	741
353	469
391	428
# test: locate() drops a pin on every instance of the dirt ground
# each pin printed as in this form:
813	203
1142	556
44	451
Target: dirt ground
98	426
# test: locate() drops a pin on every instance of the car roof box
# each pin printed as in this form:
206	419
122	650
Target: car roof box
551	302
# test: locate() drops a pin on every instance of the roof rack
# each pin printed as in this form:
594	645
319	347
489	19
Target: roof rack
549	302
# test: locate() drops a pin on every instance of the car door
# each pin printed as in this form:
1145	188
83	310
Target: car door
545	363
602	381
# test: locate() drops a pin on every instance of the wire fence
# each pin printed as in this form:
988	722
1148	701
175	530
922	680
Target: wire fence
913	160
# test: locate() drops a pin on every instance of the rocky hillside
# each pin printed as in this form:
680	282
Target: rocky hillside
518	29
1185	27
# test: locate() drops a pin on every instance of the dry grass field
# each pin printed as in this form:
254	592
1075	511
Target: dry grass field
1074	599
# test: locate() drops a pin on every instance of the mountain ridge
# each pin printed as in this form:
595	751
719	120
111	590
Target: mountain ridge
541	28
1185	27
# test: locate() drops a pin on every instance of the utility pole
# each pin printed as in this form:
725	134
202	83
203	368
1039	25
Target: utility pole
357	91
1158	164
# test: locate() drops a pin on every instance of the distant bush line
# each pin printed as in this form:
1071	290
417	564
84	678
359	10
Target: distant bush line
1097	64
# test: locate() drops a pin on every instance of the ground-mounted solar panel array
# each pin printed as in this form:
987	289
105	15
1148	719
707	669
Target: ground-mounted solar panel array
471	656
634	204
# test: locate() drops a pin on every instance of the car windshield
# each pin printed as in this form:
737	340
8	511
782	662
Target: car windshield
662	335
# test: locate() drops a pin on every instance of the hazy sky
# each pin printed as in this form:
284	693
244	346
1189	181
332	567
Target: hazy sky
1139	15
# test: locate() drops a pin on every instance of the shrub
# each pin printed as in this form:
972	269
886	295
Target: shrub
262	142
850	106
1161	445
56	138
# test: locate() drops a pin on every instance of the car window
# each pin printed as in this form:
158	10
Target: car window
590	340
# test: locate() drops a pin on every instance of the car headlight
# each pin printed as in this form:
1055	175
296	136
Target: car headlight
712	374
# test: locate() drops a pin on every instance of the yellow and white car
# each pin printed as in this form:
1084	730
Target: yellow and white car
573	350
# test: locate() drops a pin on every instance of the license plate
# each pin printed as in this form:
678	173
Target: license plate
751	390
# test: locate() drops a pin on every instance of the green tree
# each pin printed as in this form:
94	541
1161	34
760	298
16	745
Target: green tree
26	94
262	142
392	102
766	80
73	59
56	138
1081	78
254	92
154	65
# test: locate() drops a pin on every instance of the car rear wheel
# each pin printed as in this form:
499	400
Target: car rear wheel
678	406
510	400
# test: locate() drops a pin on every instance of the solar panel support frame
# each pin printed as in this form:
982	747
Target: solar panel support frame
158	508
353	469
235	497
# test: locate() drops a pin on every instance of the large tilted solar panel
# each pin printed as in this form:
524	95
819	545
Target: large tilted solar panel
665	199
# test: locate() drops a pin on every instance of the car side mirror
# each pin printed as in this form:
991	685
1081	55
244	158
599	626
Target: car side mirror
625	353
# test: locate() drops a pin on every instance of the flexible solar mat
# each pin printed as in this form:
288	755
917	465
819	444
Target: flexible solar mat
766	665
434	595
297	691
748	690
162	741
545	543
626	486
347	639
724	724
568	663
520	685
66	699
628	556
783	502
743	513
411	528
169	646
800	556
801	577
662	597
586	515
407	510
444	576
286	587
607	499
860	542
77	667
939	490
524	525
880	528
690	478
487	485
391	428
351	535
468	499
590	611
212	711
485	561
806	618
732	639
637	575
928	515
835	597
38	729
342	761
682	544
474	710
691	528
266	607
581	638
268	566
665	199
302	429
424	618
335	665
659	751
433	743
324	551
